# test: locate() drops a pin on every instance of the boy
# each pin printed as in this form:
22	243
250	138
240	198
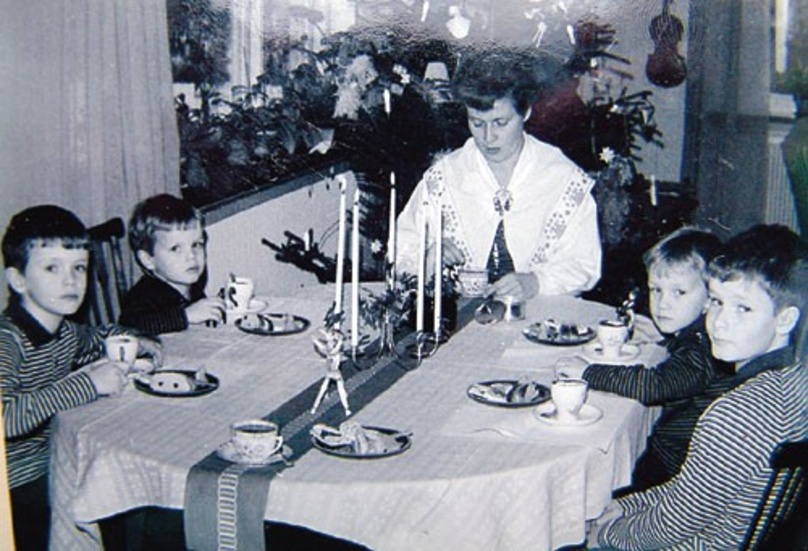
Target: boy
167	236
45	253
758	292
677	288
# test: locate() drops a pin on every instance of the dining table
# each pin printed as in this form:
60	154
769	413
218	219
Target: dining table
472	476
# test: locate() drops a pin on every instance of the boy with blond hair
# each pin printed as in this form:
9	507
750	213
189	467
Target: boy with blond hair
677	293
46	256
167	236
755	320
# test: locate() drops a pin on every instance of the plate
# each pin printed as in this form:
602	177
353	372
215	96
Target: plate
395	442
256	305
594	353
169	390
228	452
546	414
558	334
504	393
274	324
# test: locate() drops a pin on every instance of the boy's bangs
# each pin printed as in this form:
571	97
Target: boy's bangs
181	225
666	266
65	242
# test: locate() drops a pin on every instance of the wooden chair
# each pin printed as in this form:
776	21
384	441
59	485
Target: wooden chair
777	522
106	280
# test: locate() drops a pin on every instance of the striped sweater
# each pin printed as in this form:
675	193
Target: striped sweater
685	373
38	380
711	502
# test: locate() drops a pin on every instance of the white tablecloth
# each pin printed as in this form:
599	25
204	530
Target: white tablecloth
519	486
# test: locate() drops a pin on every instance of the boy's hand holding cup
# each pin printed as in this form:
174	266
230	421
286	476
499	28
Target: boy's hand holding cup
122	349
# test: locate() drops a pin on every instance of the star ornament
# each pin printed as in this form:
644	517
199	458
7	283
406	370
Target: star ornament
607	155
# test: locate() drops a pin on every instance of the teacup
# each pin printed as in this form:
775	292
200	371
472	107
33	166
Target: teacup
255	439
473	281
122	348
569	396
612	335
238	293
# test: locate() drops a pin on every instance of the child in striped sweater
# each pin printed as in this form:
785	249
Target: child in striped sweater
45	252
755	319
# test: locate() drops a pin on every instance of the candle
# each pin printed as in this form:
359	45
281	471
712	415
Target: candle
438	269
355	273
307	240
391	239
387	106
340	247
419	298
652	191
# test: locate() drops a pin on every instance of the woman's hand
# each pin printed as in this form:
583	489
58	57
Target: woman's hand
452	255
519	285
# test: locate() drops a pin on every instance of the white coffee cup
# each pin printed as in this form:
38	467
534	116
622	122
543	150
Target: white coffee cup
612	335
255	439
473	281
238	293
569	396
122	348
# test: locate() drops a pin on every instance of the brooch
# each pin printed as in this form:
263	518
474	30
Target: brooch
503	199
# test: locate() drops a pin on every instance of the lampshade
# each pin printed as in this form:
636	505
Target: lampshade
458	24
436	70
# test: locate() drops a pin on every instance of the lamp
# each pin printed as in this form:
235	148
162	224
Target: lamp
458	24
436	70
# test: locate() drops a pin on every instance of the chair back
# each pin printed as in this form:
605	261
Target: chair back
784	500
106	280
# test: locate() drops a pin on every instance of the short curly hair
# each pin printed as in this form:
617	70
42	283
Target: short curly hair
160	212
486	75
39	226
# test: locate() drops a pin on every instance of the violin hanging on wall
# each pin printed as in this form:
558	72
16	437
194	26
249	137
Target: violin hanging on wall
666	67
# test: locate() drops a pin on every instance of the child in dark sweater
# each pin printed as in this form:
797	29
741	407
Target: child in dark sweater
677	287
167	236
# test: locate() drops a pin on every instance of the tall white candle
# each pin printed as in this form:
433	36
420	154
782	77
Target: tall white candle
387	104
652	191
391	239
355	272
340	247
438	269
419	297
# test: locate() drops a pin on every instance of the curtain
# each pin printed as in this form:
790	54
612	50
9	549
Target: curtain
86	110
726	122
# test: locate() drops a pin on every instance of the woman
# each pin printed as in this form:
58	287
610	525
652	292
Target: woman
509	202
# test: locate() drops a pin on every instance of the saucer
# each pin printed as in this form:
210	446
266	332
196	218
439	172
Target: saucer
594	353
546	413
228	452
256	305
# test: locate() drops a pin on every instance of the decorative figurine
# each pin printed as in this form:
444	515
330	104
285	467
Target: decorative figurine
330	346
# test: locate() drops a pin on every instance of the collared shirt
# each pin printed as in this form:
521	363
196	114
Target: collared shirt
550	226
711	502
37	380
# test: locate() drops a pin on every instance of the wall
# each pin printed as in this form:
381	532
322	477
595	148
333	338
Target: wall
235	246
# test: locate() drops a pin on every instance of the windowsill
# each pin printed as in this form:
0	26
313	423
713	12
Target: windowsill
230	206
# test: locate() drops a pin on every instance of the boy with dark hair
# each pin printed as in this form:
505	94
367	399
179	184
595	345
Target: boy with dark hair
167	236
45	252
755	318
677	288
